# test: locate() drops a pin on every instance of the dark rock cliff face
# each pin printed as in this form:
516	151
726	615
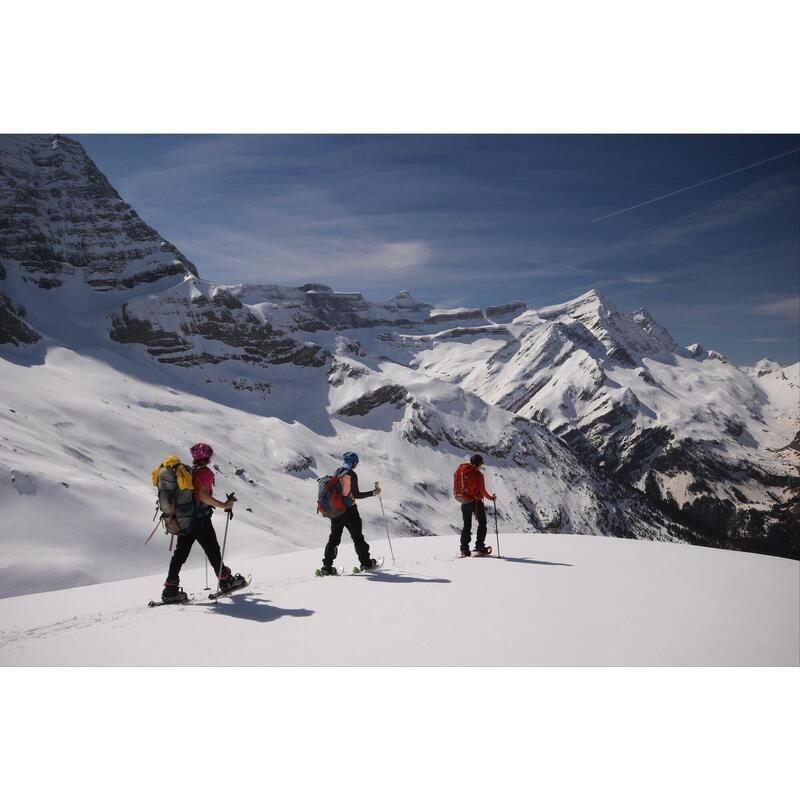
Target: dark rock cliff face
13	328
59	216
386	395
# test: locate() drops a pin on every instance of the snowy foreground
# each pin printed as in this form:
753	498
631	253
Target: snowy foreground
553	600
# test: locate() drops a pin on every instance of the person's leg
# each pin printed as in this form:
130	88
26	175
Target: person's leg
466	530
207	538
353	524
480	537
182	549
332	547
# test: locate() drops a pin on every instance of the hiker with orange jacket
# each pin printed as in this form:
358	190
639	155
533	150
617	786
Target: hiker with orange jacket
469	489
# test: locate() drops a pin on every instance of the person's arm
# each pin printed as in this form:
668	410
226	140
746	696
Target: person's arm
484	494
355	493
206	497
204	482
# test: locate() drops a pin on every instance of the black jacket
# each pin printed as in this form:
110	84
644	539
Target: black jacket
354	492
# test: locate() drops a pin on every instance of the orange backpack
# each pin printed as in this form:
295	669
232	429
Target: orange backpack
331	502
466	487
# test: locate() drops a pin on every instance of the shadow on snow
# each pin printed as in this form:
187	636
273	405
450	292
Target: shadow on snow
249	606
389	577
533	561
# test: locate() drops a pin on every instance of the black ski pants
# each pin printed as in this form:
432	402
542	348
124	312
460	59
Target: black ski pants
351	520
467	510
203	532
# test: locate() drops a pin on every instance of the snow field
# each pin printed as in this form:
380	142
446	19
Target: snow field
552	600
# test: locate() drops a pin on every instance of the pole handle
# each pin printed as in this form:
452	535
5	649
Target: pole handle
229	511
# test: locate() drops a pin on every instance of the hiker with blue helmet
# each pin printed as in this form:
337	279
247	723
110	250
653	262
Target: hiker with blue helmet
350	519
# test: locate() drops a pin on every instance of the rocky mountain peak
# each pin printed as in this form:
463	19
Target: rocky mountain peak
62	218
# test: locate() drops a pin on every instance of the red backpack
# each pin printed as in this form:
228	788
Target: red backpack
466	487
330	502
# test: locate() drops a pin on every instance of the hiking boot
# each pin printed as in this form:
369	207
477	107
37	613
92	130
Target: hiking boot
465	554
481	551
328	570
231	583
173	593
369	564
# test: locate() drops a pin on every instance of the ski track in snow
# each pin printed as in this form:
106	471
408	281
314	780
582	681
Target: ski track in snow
256	587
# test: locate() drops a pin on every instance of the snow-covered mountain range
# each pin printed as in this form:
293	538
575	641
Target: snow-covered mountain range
114	353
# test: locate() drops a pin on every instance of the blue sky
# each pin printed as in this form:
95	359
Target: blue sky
474	220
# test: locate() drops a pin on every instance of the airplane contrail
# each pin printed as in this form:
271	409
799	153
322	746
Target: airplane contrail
695	185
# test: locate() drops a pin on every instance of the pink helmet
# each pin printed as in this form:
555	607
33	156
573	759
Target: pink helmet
201	451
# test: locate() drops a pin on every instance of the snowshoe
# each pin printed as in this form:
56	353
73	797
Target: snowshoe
323	571
481	552
231	585
173	594
370	566
154	603
464	554
234	582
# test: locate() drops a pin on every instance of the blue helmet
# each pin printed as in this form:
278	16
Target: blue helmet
350	459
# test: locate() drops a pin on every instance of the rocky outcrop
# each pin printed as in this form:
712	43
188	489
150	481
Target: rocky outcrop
13	328
385	395
170	327
517	307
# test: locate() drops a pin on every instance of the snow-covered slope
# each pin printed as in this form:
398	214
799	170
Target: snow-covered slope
554	600
781	385
81	433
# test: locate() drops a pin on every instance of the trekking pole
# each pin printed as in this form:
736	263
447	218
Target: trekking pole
154	529
207	586
385	524
229	517
494	502
152	533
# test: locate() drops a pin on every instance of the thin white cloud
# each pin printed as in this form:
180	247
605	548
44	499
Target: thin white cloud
643	279
786	307
265	257
398	256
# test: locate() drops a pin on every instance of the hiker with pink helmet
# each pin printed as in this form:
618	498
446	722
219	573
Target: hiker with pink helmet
201	530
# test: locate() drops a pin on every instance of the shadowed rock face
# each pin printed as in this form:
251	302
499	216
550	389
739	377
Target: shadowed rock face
391	394
14	329
60	216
